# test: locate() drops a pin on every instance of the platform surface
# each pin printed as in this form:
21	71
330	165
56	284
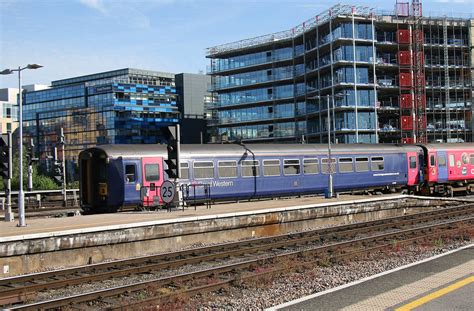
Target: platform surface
102	221
443	283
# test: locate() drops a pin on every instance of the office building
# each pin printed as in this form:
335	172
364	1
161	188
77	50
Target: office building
389	77
9	106
125	106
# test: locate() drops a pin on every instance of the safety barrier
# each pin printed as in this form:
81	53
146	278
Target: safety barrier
186	196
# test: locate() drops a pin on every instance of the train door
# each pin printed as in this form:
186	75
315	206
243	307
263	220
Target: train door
442	166
152	170
132	183
413	168
432	167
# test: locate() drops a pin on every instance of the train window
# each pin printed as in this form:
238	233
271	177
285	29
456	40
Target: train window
310	166
325	165
412	162
203	170
451	160
362	164
471	159
152	172
432	160
271	168
184	168
442	161
227	169
345	165
291	167
130	173
377	163
249	168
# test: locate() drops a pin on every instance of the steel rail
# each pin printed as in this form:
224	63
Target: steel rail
335	250
19	288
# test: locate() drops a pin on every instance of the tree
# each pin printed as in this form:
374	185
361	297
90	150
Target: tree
40	182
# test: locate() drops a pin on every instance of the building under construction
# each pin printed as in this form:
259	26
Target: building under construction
397	77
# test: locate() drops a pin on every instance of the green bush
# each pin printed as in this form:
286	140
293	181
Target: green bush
40	182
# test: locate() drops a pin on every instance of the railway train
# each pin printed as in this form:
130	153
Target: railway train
113	176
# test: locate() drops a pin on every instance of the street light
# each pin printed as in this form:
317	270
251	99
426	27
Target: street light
21	198
330	192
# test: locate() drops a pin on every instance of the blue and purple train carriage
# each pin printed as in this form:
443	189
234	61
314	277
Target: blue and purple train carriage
113	176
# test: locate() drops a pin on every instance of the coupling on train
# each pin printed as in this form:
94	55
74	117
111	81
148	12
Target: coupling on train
113	176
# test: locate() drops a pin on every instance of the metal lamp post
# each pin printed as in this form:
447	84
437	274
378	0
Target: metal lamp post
21	196
330	184
330	192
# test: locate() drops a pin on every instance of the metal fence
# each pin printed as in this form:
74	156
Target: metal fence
186	196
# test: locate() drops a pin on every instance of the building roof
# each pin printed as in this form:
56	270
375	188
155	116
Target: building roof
112	74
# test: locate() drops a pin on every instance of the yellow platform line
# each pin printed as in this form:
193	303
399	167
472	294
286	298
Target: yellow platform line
437	294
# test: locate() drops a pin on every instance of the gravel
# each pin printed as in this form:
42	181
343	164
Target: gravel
270	292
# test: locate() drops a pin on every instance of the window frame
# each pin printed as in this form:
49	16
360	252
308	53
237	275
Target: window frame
199	162
315	163
255	163
146	172
359	159
134	173
227	166
452	160
333	162
271	165
375	159
344	162
290	165
181	168
410	158
445	162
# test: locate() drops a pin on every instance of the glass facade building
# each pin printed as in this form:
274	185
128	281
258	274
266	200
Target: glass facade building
278	87
126	106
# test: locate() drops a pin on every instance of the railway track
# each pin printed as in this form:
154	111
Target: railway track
253	258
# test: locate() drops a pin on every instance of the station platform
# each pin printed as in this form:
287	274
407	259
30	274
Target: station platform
121	220
73	241
443	282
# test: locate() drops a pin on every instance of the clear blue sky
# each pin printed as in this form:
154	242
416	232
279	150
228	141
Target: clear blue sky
77	37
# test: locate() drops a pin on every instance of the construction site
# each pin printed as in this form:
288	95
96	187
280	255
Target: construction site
373	76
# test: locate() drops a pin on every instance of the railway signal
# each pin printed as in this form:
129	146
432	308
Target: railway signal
57	168
30	159
6	171
171	135
4	158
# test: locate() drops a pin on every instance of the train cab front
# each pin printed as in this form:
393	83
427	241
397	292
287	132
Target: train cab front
94	192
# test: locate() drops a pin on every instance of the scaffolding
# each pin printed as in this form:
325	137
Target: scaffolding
336	10
429	100
411	73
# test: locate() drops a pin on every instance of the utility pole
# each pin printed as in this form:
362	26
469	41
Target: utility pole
62	142
30	158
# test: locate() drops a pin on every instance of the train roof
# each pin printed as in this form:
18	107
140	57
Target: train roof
115	151
452	146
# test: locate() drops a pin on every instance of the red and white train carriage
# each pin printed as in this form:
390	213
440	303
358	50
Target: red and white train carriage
450	168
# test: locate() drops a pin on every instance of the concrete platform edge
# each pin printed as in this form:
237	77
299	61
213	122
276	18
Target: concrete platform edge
198	218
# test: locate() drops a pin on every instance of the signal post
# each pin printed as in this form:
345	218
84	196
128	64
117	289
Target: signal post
6	171
172	136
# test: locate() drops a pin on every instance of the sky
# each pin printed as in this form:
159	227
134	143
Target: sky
76	37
